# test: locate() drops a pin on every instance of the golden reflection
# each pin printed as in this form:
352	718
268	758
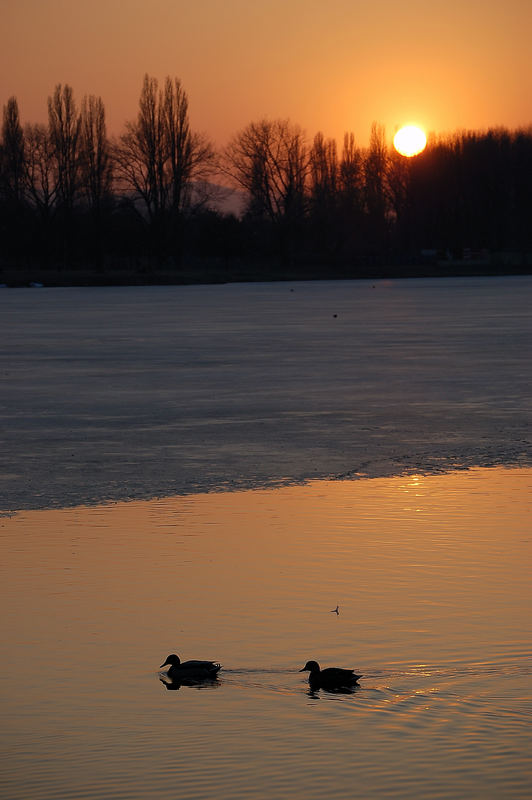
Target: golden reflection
435	611
251	577
414	482
414	486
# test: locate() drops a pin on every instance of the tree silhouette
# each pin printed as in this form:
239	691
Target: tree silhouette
68	196
375	188
12	156
40	173
324	180
64	124
12	166
351	197
64	127
96	166
270	161
96	172
159	160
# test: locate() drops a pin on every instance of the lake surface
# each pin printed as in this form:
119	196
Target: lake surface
432	578
207	409
119	393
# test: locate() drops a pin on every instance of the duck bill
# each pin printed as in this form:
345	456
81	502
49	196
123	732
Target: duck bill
164	665
302	670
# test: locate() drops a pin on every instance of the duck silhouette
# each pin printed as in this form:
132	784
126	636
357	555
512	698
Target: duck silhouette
329	678
190	670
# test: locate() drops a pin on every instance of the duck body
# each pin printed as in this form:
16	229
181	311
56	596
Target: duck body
331	677
190	670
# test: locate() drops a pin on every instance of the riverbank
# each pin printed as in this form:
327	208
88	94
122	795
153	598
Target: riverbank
214	271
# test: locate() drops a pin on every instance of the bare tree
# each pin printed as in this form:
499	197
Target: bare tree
40	171
351	196
95	158
324	171
398	179
351	175
160	161
375	184
64	125
323	189
12	154
140	155
269	160
190	156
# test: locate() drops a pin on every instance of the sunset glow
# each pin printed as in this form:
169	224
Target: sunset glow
409	141
332	70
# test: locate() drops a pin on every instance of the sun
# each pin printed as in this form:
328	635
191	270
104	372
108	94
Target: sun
409	141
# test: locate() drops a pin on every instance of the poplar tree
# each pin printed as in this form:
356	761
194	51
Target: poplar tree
160	161
12	155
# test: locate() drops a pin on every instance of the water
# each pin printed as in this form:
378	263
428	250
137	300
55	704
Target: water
432	578
162	393
110	394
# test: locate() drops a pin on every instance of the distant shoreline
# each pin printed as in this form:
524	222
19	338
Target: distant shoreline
216	272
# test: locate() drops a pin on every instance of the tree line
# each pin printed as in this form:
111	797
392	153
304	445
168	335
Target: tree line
151	200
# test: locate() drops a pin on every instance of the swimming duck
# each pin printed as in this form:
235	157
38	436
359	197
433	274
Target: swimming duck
330	678
190	670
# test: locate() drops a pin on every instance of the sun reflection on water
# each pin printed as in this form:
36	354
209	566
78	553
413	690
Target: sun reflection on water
431	577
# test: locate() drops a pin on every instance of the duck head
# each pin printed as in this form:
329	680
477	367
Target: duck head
173	660
311	666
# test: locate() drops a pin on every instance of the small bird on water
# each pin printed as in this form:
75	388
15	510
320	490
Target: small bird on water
190	670
329	678
335	610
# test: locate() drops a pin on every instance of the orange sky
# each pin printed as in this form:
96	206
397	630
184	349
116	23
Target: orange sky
330	66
